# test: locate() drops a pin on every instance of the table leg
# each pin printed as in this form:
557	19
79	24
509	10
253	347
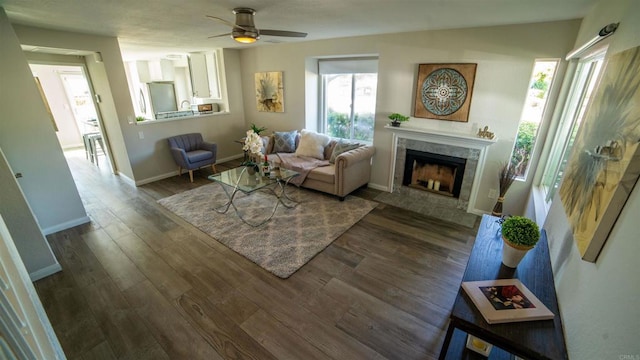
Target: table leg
447	341
224	208
283	194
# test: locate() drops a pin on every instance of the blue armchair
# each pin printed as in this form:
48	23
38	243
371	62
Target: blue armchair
191	152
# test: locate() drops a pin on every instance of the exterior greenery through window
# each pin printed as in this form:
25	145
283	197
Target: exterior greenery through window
583	84
348	99
541	80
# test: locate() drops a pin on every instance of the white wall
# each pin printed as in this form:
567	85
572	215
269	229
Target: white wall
108	80
505	56
31	244
143	159
599	301
30	144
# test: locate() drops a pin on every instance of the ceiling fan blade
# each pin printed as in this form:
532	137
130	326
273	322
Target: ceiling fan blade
282	33
226	22
217	36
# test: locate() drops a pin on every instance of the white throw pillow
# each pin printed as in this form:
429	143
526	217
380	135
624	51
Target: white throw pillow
312	144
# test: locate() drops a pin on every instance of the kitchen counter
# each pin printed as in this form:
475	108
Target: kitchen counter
183	117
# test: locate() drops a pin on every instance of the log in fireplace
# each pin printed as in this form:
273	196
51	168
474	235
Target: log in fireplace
435	173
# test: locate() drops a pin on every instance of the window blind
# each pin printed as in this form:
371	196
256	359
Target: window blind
347	66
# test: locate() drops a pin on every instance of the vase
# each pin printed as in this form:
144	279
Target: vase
497	208
395	123
252	169
512	254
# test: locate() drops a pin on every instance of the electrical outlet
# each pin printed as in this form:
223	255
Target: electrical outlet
493	194
140	135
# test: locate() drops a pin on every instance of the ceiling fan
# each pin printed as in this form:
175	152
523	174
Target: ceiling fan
244	30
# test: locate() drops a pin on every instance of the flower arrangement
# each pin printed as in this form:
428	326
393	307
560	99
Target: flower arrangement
252	145
520	231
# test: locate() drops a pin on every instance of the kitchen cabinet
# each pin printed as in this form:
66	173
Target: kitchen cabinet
155	70
199	75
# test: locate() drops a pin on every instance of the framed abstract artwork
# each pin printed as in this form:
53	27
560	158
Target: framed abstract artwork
443	91
269	91
604	164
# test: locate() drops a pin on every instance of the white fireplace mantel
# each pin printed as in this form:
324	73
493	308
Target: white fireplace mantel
441	137
463	140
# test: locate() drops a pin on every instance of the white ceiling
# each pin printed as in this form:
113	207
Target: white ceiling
143	26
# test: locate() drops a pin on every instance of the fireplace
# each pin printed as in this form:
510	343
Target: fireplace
436	173
457	149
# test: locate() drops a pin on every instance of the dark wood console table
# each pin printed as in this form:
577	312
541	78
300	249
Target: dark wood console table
543	339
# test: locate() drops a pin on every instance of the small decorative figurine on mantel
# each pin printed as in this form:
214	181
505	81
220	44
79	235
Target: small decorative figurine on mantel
485	133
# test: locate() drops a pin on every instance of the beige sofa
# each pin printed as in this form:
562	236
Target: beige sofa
351	169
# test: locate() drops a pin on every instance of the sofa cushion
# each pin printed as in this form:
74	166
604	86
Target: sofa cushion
323	173
328	150
267	144
284	142
342	146
312	144
198	155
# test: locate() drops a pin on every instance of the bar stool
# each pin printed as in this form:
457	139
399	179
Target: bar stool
87	145
94	140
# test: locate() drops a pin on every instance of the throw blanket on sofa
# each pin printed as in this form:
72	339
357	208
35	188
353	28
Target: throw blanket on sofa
301	164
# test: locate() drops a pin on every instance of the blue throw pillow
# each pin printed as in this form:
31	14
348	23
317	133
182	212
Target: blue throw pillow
341	147
284	142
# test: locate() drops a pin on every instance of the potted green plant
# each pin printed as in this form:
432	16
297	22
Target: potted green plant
140	118
396	119
257	129
520	234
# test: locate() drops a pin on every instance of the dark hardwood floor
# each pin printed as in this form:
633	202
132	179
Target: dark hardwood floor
139	283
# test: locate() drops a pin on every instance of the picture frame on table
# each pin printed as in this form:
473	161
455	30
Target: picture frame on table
505	300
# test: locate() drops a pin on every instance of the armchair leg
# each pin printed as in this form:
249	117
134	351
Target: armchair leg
179	170
191	175
213	166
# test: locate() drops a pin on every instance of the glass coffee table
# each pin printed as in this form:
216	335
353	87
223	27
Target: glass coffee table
238	179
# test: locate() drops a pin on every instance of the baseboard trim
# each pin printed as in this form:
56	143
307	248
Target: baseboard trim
44	272
379	187
174	173
126	179
66	225
156	178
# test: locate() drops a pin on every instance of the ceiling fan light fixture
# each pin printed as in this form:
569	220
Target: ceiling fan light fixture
245	39
245	36
244	30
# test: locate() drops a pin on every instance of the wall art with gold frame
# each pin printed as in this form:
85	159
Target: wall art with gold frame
269	91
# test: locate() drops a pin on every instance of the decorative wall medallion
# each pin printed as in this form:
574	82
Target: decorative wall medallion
443	91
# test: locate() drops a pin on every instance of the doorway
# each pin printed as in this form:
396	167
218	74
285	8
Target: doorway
67	94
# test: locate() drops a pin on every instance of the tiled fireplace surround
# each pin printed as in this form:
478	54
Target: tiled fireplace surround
458	145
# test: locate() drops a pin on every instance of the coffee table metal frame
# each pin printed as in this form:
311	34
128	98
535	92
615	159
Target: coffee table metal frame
239	179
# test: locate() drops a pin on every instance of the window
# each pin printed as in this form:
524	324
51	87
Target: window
583	84
348	98
534	107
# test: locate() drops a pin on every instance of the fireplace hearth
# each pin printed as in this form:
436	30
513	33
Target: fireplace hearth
440	174
459	148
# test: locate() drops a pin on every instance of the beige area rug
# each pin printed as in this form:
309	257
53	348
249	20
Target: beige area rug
283	244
